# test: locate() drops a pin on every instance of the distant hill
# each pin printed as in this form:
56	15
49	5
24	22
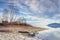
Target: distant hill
54	25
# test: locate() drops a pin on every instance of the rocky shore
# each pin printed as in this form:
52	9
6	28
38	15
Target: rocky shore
15	36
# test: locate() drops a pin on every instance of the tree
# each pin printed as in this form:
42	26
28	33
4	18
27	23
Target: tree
11	15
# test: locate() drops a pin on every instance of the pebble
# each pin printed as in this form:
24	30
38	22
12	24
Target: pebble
14	36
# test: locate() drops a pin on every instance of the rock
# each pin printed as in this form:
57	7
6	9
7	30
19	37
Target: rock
15	36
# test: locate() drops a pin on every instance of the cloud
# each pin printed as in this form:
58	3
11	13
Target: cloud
40	8
40	5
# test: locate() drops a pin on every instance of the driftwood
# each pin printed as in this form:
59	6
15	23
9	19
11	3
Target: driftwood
23	32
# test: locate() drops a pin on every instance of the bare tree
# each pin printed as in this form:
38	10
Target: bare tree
11	15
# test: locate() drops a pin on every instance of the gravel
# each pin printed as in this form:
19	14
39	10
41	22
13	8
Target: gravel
15	36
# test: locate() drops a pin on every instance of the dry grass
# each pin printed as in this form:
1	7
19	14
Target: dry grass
17	28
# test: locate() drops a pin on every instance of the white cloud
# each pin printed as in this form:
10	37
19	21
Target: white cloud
40	6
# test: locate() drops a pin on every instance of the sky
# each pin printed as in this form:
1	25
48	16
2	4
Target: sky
38	13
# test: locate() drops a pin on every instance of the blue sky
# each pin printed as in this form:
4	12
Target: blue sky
38	13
